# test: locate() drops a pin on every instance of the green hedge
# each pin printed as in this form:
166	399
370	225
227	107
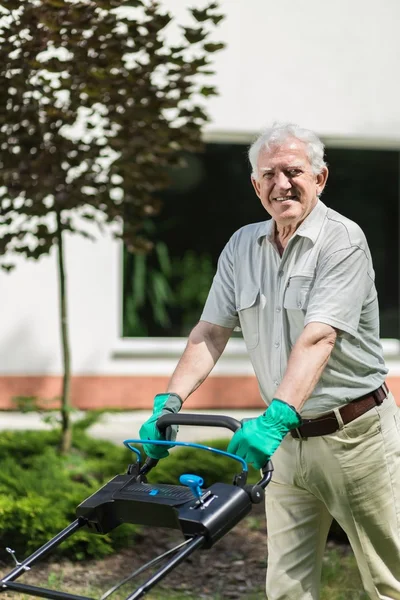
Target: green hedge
39	489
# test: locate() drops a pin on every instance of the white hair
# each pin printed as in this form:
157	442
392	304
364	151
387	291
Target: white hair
278	134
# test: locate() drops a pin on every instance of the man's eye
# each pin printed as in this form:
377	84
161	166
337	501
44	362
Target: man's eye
268	175
294	172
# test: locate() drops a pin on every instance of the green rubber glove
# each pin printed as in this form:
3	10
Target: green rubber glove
257	439
163	404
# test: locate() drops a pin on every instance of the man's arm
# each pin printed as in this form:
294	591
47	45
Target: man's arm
258	438
307	360
205	345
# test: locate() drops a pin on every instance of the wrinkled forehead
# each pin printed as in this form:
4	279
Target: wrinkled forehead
291	152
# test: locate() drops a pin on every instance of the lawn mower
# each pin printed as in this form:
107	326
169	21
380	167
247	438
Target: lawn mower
203	515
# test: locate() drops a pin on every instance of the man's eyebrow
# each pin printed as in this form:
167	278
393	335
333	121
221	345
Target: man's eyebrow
268	169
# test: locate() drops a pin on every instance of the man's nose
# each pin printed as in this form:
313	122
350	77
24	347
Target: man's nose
282	182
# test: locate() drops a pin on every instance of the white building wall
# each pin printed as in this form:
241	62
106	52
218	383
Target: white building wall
29	310
328	66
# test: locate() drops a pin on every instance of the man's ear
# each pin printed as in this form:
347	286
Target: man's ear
321	180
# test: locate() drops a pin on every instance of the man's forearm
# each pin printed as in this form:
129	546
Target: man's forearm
192	369
307	361
204	347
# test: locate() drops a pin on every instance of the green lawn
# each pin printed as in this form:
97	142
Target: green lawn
340	577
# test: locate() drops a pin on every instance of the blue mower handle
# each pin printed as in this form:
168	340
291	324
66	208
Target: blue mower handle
211	421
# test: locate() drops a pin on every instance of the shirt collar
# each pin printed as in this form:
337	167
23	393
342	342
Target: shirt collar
310	227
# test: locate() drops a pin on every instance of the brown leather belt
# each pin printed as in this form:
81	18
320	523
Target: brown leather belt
328	423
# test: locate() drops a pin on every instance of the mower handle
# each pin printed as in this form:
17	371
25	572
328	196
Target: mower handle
209	421
189	419
198	421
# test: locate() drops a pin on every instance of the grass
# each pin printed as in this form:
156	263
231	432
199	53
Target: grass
340	577
340	581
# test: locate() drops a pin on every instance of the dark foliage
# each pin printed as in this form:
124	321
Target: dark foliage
94	104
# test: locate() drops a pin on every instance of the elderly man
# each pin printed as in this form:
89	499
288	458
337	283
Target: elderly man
301	286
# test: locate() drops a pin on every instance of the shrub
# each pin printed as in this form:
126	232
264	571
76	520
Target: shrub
24	445
40	489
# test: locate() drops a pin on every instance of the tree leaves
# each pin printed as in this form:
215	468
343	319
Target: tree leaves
208	91
206	14
213	47
61	57
134	3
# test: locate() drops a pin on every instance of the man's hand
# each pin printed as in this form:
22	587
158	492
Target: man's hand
163	404
257	439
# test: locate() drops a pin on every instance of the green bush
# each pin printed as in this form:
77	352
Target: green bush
24	445
40	489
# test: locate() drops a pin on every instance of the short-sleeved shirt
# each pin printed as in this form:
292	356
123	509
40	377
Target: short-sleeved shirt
324	275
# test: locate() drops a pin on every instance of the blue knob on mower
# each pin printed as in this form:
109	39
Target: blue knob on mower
194	482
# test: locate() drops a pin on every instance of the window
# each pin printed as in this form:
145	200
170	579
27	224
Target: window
208	200
363	185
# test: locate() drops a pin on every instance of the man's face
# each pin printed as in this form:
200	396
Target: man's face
286	185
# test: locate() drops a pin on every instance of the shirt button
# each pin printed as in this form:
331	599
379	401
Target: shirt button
299	305
278	309
280	273
276	383
276	344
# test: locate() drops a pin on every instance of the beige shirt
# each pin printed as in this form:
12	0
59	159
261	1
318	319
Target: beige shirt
326	275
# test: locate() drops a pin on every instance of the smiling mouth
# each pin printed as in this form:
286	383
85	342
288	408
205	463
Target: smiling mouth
284	198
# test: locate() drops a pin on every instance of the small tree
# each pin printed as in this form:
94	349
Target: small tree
95	103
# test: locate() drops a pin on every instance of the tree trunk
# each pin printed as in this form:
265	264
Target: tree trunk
66	430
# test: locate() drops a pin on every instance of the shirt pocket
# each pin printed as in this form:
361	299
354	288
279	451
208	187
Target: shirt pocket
297	293
248	311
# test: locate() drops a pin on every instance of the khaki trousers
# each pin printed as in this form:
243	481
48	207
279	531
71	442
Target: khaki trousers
353	476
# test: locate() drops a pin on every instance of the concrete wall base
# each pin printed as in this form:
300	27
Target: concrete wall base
127	393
